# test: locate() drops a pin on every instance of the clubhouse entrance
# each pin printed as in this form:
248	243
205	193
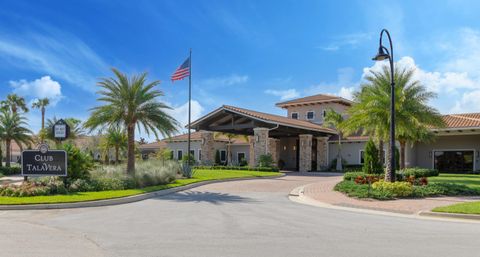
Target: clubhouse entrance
455	161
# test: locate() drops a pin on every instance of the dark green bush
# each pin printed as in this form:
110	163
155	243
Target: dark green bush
371	163
444	189
350	176
361	191
265	160
7	171
418	172
353	168
79	163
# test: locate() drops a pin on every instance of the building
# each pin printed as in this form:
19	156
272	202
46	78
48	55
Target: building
299	141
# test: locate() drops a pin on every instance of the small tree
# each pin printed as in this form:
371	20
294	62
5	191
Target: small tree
371	163
165	154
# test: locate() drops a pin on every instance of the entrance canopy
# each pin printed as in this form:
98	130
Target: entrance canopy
230	119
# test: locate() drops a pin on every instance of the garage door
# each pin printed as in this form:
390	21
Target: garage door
454	160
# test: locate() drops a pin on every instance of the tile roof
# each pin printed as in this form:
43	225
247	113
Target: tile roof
285	121
155	145
466	120
349	138
320	98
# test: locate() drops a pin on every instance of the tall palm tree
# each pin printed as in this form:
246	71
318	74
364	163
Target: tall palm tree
131	102
116	138
13	128
413	116
14	103
41	104
334	120
230	138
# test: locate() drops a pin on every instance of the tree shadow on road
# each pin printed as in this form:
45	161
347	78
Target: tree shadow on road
208	197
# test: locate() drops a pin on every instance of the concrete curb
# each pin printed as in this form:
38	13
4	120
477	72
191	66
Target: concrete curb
121	200
297	195
475	217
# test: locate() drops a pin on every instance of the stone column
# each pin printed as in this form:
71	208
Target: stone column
260	143
273	149
322	153
251	154
305	152
207	147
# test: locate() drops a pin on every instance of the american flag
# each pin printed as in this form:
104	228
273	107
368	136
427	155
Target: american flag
182	71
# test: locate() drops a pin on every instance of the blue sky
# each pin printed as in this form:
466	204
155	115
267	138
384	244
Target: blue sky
250	54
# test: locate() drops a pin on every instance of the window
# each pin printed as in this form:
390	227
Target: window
179	154
295	115
324	113
192	153
454	160
199	154
363	152
240	157
310	115
223	155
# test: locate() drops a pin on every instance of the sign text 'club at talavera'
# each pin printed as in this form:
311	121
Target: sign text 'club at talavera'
46	162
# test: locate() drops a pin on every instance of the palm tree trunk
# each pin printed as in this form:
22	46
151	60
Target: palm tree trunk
7	161
381	153
1	155
402	154
131	149
339	154
116	154
388	172
229	151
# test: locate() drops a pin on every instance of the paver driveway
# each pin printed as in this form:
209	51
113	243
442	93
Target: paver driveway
243	218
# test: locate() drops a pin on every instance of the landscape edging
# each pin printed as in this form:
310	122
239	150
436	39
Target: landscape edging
120	200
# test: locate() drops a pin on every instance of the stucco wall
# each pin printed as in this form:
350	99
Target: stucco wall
350	152
423	152
317	109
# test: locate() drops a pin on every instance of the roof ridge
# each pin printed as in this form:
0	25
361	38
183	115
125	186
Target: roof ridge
463	117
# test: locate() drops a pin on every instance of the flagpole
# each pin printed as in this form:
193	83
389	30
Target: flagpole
189	105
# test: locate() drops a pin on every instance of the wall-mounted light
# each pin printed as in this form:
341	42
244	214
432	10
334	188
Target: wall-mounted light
203	141
284	148
257	138
294	148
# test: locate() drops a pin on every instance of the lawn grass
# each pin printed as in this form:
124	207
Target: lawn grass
199	175
465	208
470	180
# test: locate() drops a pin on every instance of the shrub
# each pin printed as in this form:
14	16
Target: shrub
188	158
79	163
444	189
400	189
353	175
265	160
368	179
353	168
333	164
272	169
417	172
361	191
371	163
7	171
165	154
217	158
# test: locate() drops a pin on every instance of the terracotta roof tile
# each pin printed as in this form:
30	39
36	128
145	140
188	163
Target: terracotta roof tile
465	120
320	98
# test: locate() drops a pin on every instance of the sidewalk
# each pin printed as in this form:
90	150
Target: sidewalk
323	192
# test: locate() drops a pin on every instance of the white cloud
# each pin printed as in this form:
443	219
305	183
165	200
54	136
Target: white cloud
283	94
346	92
180	113
348	40
39	88
231	80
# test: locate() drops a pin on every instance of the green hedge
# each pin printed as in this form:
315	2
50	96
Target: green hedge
418	172
10	170
350	176
272	169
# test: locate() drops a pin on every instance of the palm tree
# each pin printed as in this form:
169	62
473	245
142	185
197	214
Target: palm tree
230	137
334	120
413	116
15	102
131	102
116	138
41	104
13	128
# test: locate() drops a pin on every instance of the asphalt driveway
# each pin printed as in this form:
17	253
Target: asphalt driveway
243	218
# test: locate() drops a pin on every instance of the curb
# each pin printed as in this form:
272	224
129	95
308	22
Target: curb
121	200
297	195
450	215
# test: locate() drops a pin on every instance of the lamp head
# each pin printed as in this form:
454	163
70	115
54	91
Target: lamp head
381	55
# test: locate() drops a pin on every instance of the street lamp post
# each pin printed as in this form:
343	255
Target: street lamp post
384	54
